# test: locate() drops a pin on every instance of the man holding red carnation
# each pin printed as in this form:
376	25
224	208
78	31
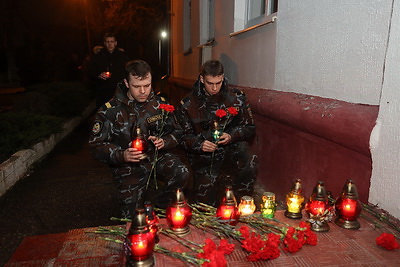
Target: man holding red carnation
135	105
225	160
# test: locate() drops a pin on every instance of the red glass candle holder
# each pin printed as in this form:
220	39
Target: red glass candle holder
152	220
139	142
228	210
140	241
348	207
179	214
318	209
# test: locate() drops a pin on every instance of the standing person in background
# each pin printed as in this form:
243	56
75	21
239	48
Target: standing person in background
213	157
107	68
135	105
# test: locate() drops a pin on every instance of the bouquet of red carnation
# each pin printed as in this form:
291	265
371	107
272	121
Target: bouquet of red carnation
387	241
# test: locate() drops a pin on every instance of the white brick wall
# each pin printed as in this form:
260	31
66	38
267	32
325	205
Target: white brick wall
16	167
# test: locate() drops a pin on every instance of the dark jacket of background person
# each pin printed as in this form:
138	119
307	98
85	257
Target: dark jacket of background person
105	61
112	133
196	114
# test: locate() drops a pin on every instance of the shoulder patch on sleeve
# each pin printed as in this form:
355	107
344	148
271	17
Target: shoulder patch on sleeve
108	105
97	127
237	91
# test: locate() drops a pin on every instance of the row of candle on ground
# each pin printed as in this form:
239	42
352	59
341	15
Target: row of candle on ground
143	231
318	207
320	210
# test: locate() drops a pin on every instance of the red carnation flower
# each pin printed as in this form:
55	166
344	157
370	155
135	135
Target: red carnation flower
209	247
270	253
245	231
217	259
233	111
166	107
273	239
253	243
387	241
292	245
226	247
220	113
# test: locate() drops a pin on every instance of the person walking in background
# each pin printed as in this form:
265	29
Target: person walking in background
218	123
135	106
106	68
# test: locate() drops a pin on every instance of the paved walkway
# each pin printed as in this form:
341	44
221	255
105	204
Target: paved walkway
65	191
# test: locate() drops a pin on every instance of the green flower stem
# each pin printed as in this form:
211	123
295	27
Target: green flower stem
380	216
153	171
377	225
206	207
216	142
187	243
212	161
208	222
120	219
258	220
103	230
185	257
208	213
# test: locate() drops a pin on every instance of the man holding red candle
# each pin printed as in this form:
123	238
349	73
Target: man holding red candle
107	68
135	108
213	101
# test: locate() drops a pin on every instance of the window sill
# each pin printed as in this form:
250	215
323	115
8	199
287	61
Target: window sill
208	43
271	20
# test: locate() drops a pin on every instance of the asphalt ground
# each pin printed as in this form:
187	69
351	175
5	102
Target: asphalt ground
66	190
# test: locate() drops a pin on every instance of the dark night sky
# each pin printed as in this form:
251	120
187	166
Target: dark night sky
35	29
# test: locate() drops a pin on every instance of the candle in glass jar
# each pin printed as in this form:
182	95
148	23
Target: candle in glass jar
138	144
349	208
268	205
316	207
216	133
294	203
108	74
178	217
246	206
227	212
141	246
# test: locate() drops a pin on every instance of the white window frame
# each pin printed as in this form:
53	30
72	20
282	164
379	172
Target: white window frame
207	11
245	13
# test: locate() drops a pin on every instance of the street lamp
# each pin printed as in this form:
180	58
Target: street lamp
163	36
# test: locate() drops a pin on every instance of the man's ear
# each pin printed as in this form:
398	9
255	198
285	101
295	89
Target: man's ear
201	79
126	83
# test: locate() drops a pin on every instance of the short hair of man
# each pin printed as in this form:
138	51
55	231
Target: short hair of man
137	68
212	68
109	35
